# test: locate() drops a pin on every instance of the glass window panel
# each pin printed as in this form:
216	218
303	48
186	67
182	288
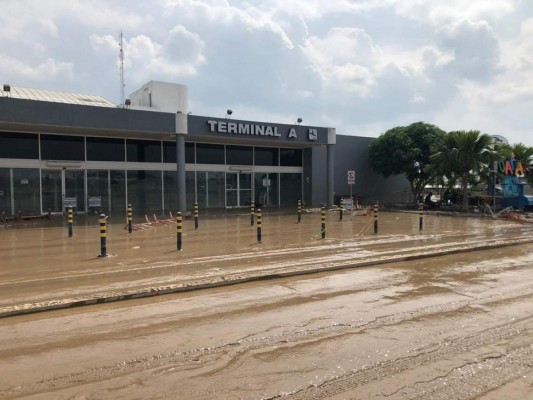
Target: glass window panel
266	195
201	189
266	156
98	191
215	190
290	189
209	153
171	190
290	157
189	153
19	145
5	191
169	152
75	187
52	190
145	191
118	192
239	155
211	189
56	147
190	188
143	150
105	149
26	190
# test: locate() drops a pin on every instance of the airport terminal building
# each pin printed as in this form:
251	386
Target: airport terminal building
60	149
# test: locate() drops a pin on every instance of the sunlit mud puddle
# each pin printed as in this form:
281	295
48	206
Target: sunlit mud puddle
44	266
397	331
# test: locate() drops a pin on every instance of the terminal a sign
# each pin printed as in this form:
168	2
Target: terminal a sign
240	128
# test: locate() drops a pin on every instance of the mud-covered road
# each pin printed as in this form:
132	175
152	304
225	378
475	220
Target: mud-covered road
452	326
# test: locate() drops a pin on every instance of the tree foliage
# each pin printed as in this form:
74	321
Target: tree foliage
463	154
407	150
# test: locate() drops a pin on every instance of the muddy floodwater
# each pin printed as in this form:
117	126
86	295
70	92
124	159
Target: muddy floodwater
445	312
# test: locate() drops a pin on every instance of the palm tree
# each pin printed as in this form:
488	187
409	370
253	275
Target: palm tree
463	154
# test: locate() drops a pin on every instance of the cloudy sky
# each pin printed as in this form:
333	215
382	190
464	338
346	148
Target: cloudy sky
362	66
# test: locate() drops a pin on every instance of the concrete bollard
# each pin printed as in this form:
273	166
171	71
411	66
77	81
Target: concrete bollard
252	213
179	229
421	216
299	210
323	221
375	219
259	224
196	212
70	219
130	218
103	235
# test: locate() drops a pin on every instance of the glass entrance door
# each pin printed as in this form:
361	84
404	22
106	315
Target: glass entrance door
238	189
63	188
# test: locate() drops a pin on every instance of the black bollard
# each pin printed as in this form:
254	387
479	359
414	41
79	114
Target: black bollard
195	215
103	235
375	219
341	212
259	223
179	229
421	218
70	221
130	218
299	210
252	212
323	219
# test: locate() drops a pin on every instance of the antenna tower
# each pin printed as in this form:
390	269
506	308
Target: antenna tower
122	85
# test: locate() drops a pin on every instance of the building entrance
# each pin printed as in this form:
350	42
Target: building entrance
63	188
238	189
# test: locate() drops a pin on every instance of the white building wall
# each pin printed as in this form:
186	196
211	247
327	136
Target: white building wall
161	96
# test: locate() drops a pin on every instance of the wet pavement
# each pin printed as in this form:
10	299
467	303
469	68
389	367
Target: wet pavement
439	313
43	268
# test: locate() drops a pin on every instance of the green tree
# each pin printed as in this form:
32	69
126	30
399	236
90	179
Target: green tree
463	154
407	150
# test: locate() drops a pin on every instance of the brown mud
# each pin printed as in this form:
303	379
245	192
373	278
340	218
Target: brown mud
435	314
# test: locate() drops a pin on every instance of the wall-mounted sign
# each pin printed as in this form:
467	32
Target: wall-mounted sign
351	177
70	202
240	128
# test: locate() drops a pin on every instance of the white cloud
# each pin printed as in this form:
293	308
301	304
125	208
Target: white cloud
362	66
47	69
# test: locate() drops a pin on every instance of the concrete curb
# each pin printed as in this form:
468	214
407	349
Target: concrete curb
30	308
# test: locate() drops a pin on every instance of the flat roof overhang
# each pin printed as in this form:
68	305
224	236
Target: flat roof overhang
31	116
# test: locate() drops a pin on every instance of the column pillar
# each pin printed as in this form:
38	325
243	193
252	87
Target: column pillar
181	131
330	174
332	140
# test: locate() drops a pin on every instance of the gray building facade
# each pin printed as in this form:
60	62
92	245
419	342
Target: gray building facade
59	150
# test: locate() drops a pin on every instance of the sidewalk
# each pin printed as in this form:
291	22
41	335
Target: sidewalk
42	268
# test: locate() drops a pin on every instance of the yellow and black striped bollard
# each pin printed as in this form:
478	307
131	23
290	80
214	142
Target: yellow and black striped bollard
103	235
130	218
421	216
259	223
299	210
341	210
195	215
179	229
323	219
252	213
375	219
70	221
